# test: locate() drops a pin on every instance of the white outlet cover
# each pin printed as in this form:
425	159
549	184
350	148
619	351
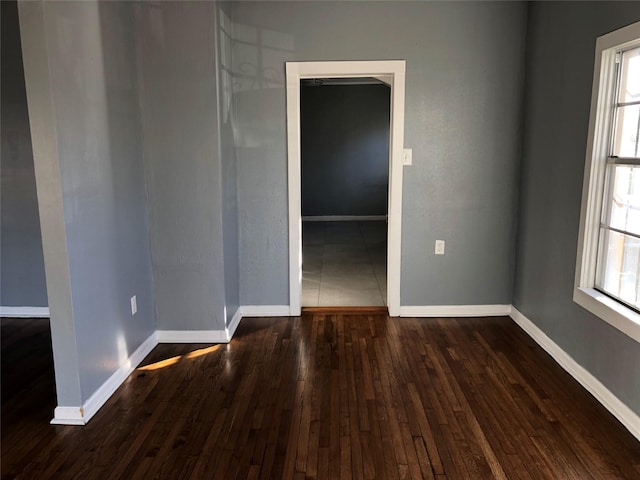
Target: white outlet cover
439	247
134	305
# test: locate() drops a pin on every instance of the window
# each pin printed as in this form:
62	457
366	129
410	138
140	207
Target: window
617	262
608	267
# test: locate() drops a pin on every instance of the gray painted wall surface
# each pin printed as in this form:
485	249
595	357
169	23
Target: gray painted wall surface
22	280
345	149
82	90
560	60
227	156
463	121
176	44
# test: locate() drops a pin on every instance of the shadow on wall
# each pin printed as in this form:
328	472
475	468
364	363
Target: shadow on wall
252	63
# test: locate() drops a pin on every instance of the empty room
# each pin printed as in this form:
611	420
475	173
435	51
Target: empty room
320	240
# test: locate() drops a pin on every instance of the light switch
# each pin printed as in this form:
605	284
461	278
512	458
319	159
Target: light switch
407	156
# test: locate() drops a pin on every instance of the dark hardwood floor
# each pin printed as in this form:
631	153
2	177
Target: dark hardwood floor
335	396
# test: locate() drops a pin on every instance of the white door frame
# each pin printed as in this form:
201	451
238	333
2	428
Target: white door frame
393	73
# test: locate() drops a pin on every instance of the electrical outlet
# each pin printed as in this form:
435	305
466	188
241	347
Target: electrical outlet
439	247
134	305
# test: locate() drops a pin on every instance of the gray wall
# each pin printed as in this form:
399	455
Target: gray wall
227	156
345	149
191	190
22	280
82	91
463	121
560	61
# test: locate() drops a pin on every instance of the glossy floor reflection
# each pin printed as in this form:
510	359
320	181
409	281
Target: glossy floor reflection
344	264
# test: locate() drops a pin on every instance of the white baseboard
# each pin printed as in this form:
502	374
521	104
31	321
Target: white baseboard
68	416
202	336
342	218
455	311
81	415
265	310
233	325
618	409
193	336
24	312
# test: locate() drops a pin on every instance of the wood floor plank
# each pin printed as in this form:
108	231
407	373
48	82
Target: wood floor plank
328	395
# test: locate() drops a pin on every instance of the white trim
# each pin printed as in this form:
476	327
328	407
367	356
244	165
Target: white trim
24	312
203	336
455	311
611	311
81	415
193	336
618	409
342	218
394	71
265	311
68	416
233	325
614	313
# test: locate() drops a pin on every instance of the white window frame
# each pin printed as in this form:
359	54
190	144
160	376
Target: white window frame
612	311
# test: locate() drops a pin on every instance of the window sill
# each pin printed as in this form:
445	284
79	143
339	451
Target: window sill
612	312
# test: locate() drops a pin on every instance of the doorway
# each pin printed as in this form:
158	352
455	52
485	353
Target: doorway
393	74
344	139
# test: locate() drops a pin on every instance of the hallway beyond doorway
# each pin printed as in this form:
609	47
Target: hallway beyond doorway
344	263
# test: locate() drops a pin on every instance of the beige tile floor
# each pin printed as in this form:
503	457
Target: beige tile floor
344	264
